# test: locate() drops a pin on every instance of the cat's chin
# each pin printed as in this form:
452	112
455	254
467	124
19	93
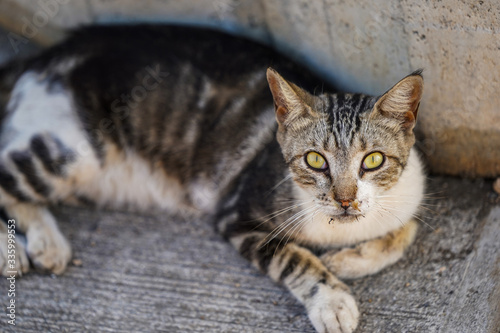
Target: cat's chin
344	217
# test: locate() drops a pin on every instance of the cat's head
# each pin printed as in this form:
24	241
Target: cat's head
346	149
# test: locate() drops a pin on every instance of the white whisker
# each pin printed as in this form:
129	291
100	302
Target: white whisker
386	209
279	184
303	213
299	226
284	225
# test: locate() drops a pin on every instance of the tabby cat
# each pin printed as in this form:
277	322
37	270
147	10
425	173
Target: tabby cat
181	118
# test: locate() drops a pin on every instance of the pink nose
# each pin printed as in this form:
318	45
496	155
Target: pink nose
345	203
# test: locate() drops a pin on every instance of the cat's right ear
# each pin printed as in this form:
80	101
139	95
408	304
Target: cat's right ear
289	100
401	102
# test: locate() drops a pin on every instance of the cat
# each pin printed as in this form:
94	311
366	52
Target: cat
310	185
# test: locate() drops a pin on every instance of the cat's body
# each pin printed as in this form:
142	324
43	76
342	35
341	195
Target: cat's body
178	118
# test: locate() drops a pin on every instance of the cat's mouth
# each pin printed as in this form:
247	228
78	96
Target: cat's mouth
344	216
336	214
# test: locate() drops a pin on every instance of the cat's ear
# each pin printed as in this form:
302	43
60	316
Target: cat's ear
401	102
290	101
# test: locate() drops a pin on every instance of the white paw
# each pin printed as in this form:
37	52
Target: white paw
333	311
366	259
348	263
13	259
48	249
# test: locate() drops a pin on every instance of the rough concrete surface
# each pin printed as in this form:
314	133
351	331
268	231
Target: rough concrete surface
161	273
364	46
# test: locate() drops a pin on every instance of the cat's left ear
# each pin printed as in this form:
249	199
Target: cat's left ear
290	101
401	102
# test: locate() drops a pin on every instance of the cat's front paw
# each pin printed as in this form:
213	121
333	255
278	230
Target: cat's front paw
13	261
48	249
371	256
366	259
333	311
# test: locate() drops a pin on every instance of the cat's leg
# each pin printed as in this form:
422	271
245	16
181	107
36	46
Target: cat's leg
328	301
13	258
371	256
46	247
45	157
33	174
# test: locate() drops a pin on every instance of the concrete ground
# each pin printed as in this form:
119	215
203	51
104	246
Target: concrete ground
160	273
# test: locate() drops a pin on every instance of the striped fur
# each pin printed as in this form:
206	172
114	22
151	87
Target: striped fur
184	121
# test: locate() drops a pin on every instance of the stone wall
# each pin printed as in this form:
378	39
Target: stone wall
365	46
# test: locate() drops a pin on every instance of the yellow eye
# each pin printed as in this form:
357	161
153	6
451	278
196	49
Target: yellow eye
372	161
316	161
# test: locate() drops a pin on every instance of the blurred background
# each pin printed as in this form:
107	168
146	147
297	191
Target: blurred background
362	46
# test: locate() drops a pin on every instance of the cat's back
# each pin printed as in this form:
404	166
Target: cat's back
173	111
119	49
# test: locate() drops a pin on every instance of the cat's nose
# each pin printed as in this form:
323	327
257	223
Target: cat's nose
344	203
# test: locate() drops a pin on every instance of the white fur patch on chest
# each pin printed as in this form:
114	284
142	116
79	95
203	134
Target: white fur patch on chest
391	211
